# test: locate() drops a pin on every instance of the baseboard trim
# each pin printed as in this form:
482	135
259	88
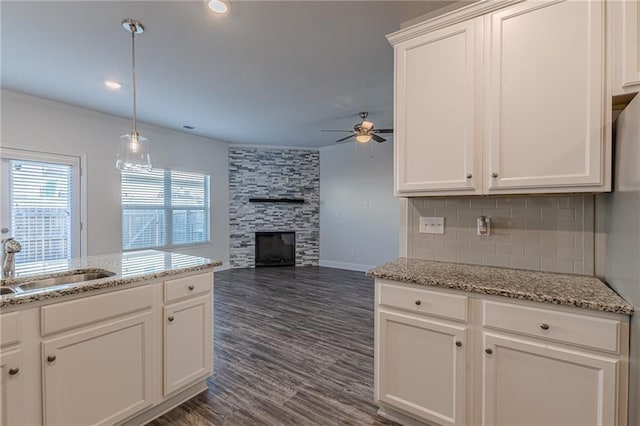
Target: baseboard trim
400	418
344	265
222	267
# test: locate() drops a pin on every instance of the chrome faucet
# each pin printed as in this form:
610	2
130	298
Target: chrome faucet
9	249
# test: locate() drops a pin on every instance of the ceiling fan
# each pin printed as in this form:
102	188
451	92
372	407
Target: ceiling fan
363	131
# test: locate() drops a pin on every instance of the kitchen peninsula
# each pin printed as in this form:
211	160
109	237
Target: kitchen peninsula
121	348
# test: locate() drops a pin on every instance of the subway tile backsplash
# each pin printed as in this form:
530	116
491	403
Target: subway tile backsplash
546	233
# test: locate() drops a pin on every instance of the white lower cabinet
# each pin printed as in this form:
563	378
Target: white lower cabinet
117	357
11	388
527	382
99	375
511	363
188	342
433	389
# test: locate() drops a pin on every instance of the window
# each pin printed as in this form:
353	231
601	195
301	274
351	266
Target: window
164	208
41	204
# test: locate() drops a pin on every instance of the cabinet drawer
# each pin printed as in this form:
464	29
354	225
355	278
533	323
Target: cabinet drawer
428	302
76	313
10	329
583	330
195	285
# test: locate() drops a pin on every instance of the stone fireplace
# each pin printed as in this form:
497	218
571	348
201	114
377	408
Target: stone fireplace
274	190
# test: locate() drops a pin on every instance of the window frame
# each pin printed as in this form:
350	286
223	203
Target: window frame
167	208
78	191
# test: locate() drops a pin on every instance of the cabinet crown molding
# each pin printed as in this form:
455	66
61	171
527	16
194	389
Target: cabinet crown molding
471	11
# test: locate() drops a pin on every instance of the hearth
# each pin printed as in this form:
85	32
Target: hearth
275	249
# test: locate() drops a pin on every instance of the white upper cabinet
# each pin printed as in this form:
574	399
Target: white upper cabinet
437	94
546	124
626	39
504	98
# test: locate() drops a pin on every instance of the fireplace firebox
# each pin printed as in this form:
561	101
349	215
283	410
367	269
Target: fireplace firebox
275	249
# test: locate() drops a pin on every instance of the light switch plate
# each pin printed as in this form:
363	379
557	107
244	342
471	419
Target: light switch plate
431	225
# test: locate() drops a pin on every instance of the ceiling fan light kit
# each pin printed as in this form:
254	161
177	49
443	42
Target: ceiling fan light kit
364	131
133	152
363	138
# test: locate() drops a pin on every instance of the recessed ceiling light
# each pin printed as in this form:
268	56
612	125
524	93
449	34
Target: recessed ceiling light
111	84
218	6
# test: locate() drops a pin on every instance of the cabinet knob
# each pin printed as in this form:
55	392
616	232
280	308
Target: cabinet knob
191	287
13	371
51	358
494	175
459	344
544	326
418	302
171	318
469	176
488	351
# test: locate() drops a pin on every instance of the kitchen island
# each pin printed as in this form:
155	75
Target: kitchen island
119	349
460	344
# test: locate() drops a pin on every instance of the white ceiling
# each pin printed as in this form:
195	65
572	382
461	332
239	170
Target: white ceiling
270	72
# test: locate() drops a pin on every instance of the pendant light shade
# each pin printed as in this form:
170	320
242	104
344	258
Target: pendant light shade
133	153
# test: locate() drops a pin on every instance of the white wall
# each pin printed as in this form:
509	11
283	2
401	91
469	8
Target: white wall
358	214
42	125
618	236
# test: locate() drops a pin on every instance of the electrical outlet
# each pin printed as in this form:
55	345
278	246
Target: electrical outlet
431	225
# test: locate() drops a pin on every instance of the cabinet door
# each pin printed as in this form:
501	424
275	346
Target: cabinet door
630	42
436	142
421	368
100	375
188	342
528	383
547	104
11	388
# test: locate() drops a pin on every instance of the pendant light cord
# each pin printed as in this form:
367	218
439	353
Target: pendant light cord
133	73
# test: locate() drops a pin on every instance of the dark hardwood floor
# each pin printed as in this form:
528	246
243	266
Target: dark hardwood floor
293	346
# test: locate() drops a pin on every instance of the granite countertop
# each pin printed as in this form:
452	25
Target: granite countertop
561	289
130	267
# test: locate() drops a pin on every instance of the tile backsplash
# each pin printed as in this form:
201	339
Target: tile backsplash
547	233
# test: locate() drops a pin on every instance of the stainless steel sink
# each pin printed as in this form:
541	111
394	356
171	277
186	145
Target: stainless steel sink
6	290
71	278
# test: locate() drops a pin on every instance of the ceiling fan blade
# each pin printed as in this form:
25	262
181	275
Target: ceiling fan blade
377	138
383	130
344	139
351	131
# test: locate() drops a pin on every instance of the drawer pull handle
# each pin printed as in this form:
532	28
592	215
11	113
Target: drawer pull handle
544	326
191	287
418	303
469	176
459	344
51	358
13	371
494	175
488	351
171	318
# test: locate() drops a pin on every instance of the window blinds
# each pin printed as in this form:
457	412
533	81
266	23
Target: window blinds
163	208
41	206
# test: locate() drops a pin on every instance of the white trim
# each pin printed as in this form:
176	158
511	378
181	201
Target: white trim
79	190
465	13
345	265
84	206
280	147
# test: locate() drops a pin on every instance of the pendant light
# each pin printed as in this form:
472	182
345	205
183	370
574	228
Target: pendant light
133	153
